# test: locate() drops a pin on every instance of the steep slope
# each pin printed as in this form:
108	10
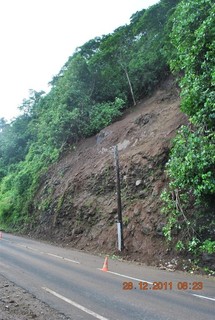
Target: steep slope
76	202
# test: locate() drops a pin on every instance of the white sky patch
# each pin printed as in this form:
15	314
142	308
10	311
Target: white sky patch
38	36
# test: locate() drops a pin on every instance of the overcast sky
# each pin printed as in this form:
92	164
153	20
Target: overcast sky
38	36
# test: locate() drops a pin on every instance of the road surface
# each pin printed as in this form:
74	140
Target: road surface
73	283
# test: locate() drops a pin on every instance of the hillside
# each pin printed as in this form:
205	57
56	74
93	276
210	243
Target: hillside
57	175
76	204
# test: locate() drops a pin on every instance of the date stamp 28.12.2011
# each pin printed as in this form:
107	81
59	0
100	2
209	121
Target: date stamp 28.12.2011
165	285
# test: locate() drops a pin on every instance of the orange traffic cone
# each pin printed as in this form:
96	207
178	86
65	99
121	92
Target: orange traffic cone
105	265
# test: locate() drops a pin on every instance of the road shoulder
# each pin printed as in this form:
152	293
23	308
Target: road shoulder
18	304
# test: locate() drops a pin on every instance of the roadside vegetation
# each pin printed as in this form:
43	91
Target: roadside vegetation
99	81
189	202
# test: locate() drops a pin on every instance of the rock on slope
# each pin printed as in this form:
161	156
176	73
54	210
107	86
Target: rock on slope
76	203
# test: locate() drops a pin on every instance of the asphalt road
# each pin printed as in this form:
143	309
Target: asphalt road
73	283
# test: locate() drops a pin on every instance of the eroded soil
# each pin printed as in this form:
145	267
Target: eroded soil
76	203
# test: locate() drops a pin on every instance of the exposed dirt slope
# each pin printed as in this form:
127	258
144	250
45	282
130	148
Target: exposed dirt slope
76	203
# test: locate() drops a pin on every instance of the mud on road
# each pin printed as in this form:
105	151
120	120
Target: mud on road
18	304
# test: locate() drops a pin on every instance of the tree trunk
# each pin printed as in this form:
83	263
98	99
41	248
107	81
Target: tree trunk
130	86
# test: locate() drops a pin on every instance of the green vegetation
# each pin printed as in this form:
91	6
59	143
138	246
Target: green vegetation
190	200
99	81
103	77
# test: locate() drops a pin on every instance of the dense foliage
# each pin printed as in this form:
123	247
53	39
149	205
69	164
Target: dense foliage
190	199
103	77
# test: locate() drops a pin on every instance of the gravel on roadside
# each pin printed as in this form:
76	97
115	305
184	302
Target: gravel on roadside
18	304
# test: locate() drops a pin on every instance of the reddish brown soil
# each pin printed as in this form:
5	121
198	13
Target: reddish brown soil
76	203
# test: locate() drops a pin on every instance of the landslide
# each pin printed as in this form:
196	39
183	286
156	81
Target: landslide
76	203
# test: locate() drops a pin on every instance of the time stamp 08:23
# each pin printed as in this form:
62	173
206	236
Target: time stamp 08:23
159	285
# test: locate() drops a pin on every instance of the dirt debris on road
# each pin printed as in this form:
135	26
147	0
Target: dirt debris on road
18	304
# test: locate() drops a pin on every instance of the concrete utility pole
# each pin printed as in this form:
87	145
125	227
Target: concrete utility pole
119	203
